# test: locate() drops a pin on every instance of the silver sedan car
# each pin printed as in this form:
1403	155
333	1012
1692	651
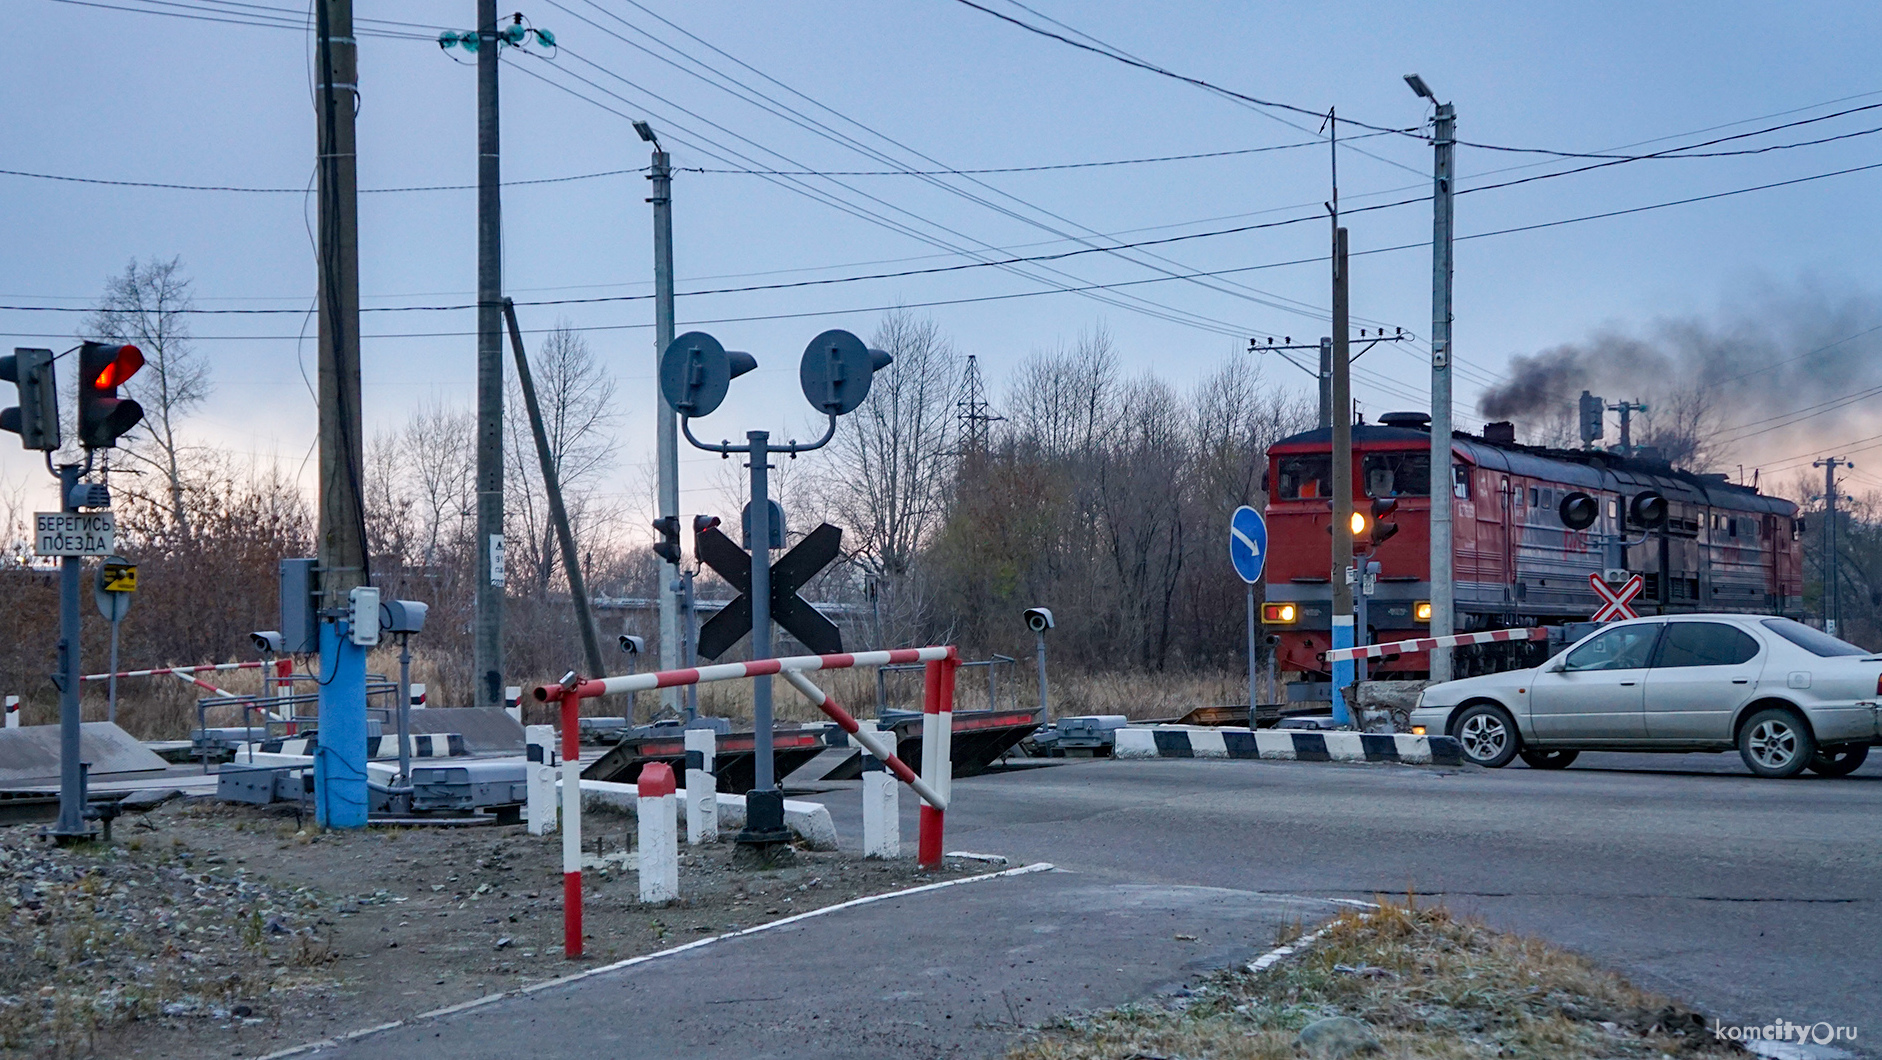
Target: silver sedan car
1787	696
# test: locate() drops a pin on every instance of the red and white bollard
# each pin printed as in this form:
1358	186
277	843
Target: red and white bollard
702	788
571	824
937	759
13	712
659	834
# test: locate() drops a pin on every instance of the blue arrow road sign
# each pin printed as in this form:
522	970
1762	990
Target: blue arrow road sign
1248	543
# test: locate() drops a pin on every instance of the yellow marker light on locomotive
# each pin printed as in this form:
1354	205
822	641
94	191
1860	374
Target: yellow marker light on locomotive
1421	611
1359	523
1279	614
1418	730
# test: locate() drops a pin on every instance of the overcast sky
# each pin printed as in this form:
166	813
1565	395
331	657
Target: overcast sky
114	95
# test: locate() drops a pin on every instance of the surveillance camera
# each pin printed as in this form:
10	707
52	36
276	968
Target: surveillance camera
268	641
1038	619
633	645
402	616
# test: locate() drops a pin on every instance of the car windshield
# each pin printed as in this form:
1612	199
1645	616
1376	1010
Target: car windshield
1814	641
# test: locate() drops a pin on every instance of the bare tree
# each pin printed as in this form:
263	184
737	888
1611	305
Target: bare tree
895	453
146	305
439	445
576	395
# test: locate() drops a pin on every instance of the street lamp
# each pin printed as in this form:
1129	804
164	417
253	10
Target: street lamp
1443	580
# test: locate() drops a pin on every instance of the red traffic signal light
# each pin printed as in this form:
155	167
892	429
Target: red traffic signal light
103	417
1381	529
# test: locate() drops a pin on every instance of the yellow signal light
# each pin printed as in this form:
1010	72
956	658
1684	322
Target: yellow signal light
1359	523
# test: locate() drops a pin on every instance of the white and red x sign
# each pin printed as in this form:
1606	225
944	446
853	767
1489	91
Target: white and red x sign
1615	600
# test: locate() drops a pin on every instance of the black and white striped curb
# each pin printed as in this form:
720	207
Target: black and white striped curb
423	745
1293	745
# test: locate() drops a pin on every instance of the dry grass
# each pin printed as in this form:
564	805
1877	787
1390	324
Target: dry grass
1427	983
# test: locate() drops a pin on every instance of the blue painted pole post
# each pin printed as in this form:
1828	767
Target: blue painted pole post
340	760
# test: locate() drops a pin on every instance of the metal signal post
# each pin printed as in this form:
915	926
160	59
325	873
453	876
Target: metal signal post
1443	577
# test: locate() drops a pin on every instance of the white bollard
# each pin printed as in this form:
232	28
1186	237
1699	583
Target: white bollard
418	697
13	712
513	703
540	772
882	820
659	834
702	788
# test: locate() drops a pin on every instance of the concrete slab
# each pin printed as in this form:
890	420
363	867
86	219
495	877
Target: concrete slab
29	755
486	730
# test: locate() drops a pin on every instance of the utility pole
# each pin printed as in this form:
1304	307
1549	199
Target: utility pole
1832	560
340	795
1342	484
1443	577
666	421
487	645
1627	409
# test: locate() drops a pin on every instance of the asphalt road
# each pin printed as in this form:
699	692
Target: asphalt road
1754	900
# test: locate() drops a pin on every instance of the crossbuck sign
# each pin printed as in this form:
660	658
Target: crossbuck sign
1614	606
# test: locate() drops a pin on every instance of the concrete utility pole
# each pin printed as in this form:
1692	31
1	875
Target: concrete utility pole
72	797
666	421
487	644
340	796
1342	485
1832	560
1443	578
1627	410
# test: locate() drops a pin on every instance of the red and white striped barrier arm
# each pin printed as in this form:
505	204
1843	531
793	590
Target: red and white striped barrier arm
876	743
179	670
608	686
1404	647
937	765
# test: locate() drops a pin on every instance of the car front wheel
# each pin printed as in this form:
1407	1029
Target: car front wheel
1487	734
1839	761
1776	743
1549	759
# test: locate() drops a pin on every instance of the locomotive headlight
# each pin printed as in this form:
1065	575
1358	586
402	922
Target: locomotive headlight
1279	614
1421	611
1358	523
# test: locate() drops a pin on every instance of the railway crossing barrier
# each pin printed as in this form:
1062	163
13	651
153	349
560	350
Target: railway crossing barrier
932	784
1404	647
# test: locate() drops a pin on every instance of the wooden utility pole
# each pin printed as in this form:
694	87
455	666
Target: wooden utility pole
487	642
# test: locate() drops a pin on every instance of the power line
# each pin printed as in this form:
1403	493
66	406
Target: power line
303	191
1013	169
234	17
1117	55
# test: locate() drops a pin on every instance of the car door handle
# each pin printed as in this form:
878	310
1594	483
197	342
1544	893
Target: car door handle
1625	683
1741	680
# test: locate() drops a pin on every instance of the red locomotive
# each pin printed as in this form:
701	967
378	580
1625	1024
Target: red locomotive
1516	562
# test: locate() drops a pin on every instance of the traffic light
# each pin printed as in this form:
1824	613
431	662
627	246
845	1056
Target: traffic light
1591	425
1382	529
695	372
836	371
1647	510
36	418
668	547
103	416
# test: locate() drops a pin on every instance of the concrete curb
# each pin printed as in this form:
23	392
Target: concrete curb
1290	745
533	988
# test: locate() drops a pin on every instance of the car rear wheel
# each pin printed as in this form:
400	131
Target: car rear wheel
1487	734
1549	759
1839	761
1776	743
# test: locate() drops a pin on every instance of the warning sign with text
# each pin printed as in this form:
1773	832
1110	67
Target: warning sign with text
74	533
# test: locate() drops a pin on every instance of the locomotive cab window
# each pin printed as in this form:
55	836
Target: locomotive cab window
1403	474
1305	477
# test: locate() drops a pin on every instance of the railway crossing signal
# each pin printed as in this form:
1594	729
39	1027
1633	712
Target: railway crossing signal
668	547
36	418
1614	605
103	416
788	575
1382	528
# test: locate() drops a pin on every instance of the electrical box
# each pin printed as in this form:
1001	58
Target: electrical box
364	602
300	629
